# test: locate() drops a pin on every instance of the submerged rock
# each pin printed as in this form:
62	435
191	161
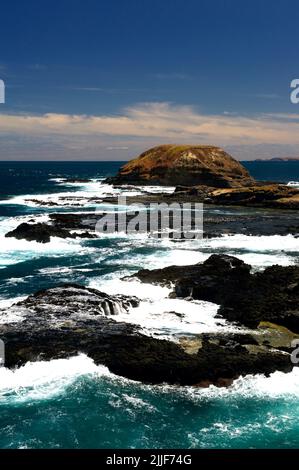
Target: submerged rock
188	165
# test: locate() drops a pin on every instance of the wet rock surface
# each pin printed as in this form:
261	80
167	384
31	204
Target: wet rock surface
42	232
217	221
70	319
228	219
244	297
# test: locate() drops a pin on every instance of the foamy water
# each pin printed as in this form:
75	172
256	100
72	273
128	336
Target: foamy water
45	379
41	380
81	194
65	395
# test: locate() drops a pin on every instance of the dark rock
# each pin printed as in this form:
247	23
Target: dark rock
39	232
270	195
43	203
42	233
244	297
71	319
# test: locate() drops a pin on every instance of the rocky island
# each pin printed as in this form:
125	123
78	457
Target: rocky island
205	174
189	165
200	173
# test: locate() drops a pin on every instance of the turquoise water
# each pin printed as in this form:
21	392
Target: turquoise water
74	404
99	410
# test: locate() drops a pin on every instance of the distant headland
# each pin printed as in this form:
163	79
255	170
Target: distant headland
277	159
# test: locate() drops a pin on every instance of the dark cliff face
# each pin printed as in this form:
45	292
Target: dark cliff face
188	165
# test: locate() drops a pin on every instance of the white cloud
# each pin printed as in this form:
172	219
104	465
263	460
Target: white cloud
155	122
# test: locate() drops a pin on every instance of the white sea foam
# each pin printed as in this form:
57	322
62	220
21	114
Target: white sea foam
41	380
282	245
277	385
13	251
161	254
63	270
173	317
188	257
57	180
294	184
96	184
5	303
81	194
46	379
266	244
12	314
10	223
262	260
63	199
160	315
116	286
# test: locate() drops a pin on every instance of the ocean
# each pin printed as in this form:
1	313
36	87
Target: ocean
74	403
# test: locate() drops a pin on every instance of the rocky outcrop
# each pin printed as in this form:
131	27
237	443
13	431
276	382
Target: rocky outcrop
244	297
275	196
42	233
272	195
184	165
66	320
71	225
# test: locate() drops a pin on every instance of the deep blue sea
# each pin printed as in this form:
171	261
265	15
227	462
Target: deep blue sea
75	404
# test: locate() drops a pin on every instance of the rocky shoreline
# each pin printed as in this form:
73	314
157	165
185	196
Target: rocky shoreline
66	320
247	298
218	220
276	196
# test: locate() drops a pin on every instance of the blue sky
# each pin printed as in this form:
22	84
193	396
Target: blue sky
106	79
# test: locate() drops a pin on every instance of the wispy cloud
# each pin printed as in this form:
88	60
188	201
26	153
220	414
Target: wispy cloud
161	120
152	122
283	116
113	147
